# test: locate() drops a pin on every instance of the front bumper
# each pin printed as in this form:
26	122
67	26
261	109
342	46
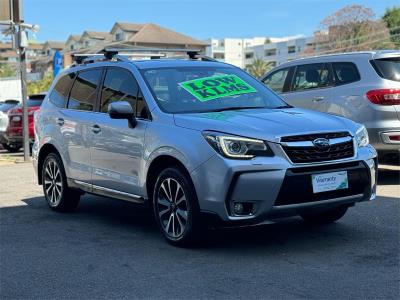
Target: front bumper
277	187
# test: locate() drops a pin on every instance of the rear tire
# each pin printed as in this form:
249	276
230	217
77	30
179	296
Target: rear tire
12	148
58	195
175	207
324	217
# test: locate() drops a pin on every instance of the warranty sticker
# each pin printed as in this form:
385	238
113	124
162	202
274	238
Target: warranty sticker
209	88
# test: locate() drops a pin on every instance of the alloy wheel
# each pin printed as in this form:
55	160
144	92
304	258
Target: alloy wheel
53	183
172	208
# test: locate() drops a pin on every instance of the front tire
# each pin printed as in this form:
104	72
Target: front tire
56	191
325	217
175	207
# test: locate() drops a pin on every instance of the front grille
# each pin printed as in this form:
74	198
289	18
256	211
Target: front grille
311	154
311	137
297	185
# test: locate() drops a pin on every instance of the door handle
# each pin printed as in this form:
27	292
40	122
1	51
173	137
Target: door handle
317	99
96	128
60	121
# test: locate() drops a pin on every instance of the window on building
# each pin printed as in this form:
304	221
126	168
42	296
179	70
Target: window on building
59	95
71	47
219	55
345	72
276	80
291	49
84	91
249	55
311	76
119	36
270	52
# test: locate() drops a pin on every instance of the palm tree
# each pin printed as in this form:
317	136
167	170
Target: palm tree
258	67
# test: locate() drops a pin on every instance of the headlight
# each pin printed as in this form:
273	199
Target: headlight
362	136
237	147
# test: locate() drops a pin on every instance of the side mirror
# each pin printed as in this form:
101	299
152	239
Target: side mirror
122	110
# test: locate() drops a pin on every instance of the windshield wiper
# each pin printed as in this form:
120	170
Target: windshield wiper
282	106
233	108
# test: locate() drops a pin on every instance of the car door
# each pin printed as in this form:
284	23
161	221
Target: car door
116	147
311	87
76	122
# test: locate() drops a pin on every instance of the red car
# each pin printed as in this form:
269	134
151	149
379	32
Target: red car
13	134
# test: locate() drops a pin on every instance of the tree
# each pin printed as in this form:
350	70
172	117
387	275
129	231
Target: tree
258	67
351	28
40	86
6	70
392	20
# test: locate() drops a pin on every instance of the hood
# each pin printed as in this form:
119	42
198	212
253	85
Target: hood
266	124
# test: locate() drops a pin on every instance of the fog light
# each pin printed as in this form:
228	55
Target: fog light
238	208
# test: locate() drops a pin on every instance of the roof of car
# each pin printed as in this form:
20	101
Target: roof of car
377	54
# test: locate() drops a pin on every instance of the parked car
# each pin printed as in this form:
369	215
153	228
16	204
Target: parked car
5	106
14	133
362	86
199	140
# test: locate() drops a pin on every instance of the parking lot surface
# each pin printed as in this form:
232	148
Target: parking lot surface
112	249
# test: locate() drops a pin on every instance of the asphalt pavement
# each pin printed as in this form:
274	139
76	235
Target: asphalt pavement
111	249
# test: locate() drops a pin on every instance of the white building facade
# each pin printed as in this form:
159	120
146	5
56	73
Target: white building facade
242	52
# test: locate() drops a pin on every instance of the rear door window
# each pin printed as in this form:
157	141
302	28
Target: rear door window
59	95
276	81
345	72
84	91
311	76
388	68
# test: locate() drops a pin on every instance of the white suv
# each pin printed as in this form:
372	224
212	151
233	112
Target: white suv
362	86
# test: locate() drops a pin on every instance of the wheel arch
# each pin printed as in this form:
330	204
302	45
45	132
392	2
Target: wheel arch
45	150
157	165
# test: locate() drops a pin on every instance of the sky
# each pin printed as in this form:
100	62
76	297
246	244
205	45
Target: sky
200	19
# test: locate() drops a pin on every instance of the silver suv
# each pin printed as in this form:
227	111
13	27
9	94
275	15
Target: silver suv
200	141
361	86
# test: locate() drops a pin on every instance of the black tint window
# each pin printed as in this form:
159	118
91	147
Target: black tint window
59	95
311	76
83	93
345	72
276	80
119	85
388	68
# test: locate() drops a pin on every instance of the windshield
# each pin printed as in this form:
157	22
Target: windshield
206	89
388	68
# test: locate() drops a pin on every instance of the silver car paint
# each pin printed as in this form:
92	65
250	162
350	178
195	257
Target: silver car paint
349	100
118	158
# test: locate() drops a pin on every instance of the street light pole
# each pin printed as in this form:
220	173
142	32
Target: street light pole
25	116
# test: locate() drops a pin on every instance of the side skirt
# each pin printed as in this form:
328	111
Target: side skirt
102	191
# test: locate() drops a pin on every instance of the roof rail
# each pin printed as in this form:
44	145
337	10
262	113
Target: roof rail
191	53
122	54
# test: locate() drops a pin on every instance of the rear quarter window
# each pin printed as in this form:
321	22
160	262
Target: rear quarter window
59	95
387	68
345	72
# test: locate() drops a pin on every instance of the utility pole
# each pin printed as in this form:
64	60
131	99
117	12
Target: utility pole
25	116
11	14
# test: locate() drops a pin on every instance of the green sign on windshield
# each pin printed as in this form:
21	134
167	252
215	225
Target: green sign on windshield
209	88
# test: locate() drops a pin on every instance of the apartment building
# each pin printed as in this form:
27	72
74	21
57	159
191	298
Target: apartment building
242	52
232	50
